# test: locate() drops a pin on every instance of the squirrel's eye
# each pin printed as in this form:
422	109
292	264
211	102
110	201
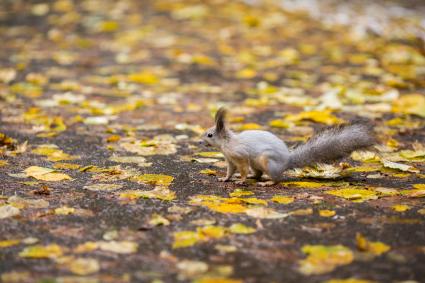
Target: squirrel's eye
209	135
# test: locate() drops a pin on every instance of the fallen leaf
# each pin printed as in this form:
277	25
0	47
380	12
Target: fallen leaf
301	212
154	179
324	259
158	193
410	104
8	211
399	166
324	117
400	207
264	213
349	280
354	194
184	239
103	187
282	199
20	203
38	251
157	220
240	193
326	213
208	172
45	174
239	228
64	210
375	248
120	247
139	160
9	243
83	266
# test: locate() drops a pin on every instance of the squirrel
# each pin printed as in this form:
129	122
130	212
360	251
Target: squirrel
265	153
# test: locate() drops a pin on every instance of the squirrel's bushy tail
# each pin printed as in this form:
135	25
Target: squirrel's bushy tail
331	144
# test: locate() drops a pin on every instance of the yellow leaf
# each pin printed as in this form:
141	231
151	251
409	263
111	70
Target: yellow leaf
64	210
240	193
211	154
282	199
302	212
219	204
158	193
254	201
208	172
144	77
81	266
155	179
399	166
86	247
327	213
227	208
410	104
216	280
113	138
214	232
53	153
38	251
157	220
185	239
9	243
365	156
246	73
415	193
400	207
249	126
354	194
376	248
419	186
304	184
324	259
349	280
386	191
65	166
3	163
324	117
239	228
45	174
412	154
279	123
108	26
103	187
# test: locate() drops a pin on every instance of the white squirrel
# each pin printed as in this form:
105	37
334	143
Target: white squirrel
265	153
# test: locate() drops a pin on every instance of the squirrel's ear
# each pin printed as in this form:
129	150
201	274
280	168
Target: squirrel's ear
219	120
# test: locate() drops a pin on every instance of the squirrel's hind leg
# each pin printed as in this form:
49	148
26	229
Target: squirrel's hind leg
273	169
256	174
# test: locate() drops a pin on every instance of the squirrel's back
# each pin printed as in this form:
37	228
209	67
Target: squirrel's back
260	142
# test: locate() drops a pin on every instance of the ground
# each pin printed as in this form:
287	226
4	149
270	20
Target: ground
103	179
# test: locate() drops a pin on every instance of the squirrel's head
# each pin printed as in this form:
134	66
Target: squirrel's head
217	135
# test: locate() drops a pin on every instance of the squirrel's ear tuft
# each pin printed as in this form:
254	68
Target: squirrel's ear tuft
219	120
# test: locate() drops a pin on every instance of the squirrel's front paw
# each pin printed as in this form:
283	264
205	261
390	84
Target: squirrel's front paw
224	179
